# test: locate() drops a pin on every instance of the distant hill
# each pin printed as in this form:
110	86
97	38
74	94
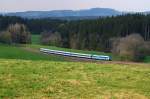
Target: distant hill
88	13
147	12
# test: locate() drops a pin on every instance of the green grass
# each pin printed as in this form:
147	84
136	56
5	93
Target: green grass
52	77
12	52
147	59
68	80
66	49
35	39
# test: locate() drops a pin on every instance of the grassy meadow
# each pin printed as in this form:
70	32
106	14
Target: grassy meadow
147	59
24	79
13	52
37	46
35	39
25	73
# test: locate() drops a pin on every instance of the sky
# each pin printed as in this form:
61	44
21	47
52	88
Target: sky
46	5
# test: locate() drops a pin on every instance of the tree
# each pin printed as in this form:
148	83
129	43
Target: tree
131	47
5	37
50	38
19	33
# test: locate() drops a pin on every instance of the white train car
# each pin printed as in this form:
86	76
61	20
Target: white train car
79	55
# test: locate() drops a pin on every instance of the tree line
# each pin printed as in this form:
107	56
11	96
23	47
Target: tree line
88	34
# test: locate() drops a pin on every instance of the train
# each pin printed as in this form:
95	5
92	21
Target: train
78	55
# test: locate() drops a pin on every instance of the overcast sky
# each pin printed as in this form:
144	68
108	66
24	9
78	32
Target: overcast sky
44	5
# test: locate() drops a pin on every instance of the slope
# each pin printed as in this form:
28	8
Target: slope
66	80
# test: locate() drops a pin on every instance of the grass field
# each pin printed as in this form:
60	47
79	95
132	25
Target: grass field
11	52
35	39
69	50
22	79
27	74
114	57
147	59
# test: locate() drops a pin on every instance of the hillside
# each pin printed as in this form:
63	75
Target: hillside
27	73
45	79
32	52
22	52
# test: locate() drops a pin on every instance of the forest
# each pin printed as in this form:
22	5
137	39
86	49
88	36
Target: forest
88	34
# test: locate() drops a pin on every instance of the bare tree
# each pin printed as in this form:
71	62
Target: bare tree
19	33
131	47
49	38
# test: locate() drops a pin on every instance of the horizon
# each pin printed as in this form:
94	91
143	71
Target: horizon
71	10
7	6
65	10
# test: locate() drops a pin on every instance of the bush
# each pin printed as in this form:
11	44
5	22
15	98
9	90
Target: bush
132	47
5	37
49	38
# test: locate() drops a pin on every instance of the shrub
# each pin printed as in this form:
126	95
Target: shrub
132	47
5	37
49	38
